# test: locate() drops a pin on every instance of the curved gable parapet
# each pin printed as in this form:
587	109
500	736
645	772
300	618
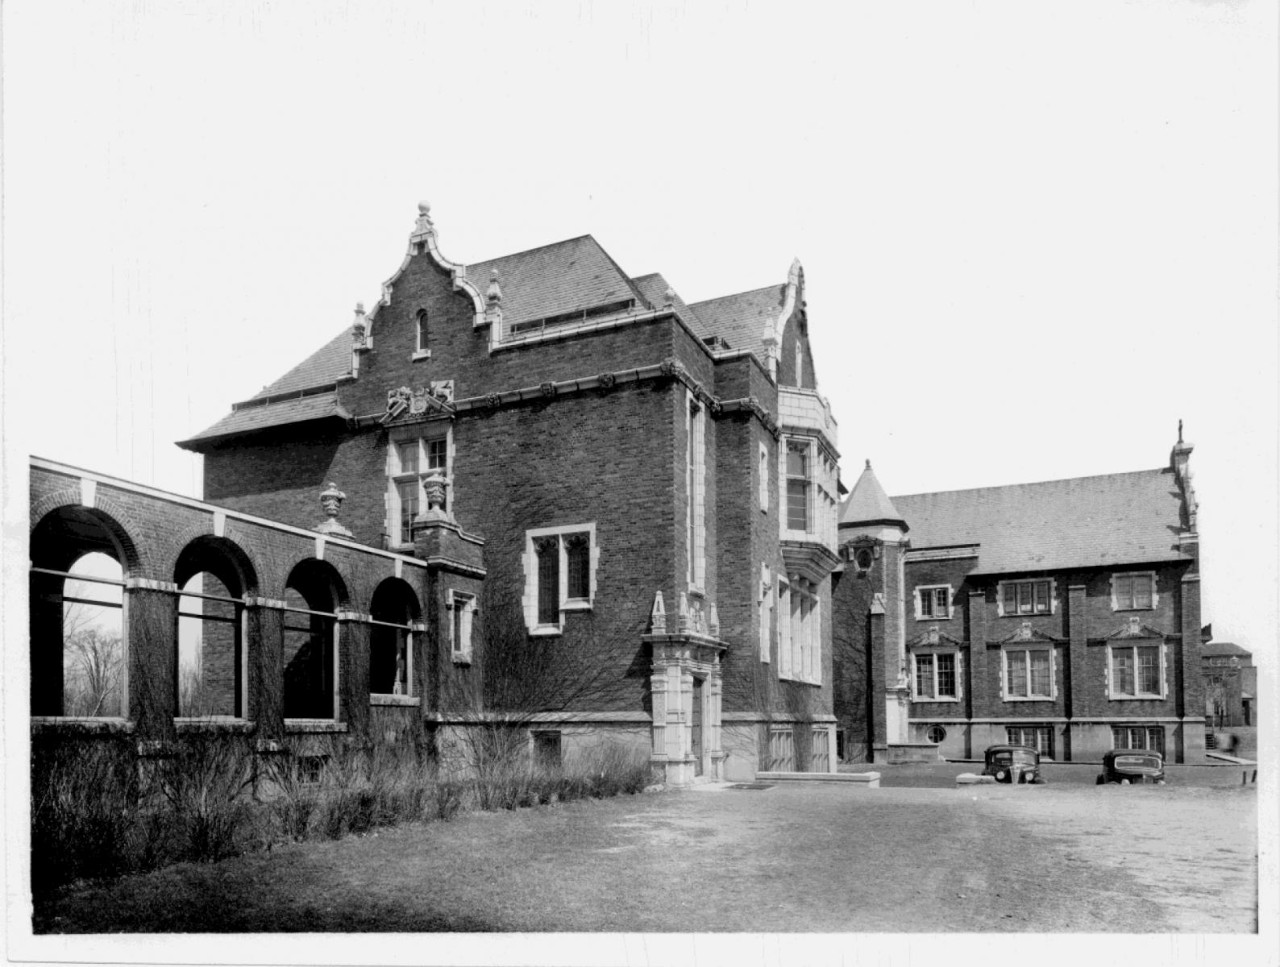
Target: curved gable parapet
423	241
792	297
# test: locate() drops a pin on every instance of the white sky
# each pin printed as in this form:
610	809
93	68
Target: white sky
1035	235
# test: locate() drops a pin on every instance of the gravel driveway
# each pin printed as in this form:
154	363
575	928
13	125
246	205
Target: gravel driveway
821	857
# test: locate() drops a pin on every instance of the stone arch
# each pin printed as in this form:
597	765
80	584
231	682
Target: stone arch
314	594
79	637
248	557
135	557
391	649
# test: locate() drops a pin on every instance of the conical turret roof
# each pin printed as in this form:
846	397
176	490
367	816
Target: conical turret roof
869	504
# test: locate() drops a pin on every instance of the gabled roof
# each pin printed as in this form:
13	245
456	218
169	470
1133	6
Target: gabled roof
561	277
740	319
869	504
653	288
323	367
247	419
1080	522
1224	649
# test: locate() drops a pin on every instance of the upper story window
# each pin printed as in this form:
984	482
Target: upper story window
560	575
799	484
763	482
1137	671
1028	673
1026	597
412	461
1133	592
695	463
933	601
936	677
421	347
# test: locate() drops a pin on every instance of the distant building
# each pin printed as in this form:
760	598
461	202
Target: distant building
1230	685
1063	615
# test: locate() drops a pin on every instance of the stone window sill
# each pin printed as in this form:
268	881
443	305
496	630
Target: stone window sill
405	700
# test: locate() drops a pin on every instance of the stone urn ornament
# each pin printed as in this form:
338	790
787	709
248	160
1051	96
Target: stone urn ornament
331	499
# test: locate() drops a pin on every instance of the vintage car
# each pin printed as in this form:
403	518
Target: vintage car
1015	764
1125	766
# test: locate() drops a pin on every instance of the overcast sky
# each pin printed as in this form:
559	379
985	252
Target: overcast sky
1035	236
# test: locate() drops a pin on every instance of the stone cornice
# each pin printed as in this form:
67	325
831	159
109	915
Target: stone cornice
669	369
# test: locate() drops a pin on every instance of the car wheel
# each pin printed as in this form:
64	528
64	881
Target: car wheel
1124	782
1000	776
1099	781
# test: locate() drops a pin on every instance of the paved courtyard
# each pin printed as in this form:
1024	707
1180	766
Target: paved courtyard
821	857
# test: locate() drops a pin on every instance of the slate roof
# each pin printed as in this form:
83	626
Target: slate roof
1224	649
1081	522
653	288
740	319
868	503
249	418
566	276
323	367
561	277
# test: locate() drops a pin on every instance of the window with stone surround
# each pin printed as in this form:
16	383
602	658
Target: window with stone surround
934	602
1136	671
800	632
1028	674
462	609
1134	591
1038	737
763	481
937	677
799	484
765	609
422	348
696	511
1138	737
415	455
560	575
1026	597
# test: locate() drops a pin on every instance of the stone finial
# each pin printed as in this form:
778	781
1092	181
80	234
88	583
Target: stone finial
670	297
424	227
331	499
713	622
494	294
359	327
868	463
1179	431
682	615
658	615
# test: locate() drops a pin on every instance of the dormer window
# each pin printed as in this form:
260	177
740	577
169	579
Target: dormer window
421	348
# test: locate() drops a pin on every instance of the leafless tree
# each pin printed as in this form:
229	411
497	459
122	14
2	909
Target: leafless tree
93	666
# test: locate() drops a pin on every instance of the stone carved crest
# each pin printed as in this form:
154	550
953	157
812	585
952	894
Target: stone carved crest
607	380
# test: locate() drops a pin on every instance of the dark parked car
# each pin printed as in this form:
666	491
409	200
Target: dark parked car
1125	766
1015	764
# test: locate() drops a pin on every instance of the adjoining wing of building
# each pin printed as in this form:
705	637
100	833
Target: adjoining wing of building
1063	615
535	489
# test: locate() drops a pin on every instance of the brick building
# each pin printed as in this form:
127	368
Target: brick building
1063	615
1230	685
627	506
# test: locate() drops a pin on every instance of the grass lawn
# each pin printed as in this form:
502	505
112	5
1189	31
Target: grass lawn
816	857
